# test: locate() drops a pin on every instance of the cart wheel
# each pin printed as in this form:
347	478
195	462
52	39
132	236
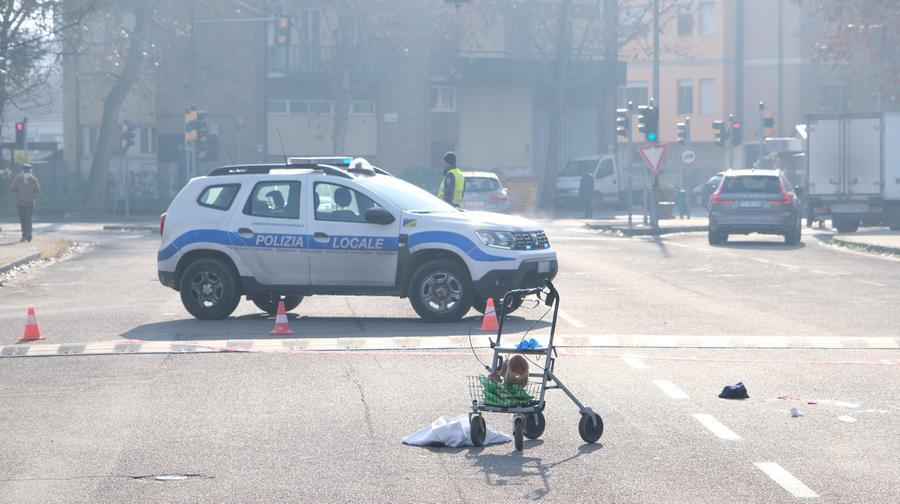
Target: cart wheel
478	430
590	432
519	431
534	425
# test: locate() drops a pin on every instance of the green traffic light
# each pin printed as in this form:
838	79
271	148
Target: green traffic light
651	136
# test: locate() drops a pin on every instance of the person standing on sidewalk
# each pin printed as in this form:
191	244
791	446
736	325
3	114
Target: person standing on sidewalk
586	193
25	189
453	184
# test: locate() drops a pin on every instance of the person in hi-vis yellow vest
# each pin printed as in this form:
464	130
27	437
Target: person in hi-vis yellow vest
453	183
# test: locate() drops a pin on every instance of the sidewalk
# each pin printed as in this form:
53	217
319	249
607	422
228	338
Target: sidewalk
881	241
619	224
15	253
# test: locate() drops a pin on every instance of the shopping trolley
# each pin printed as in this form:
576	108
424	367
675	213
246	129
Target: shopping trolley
524	402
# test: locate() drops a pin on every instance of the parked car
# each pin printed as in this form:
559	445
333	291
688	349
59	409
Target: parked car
754	201
703	191
484	192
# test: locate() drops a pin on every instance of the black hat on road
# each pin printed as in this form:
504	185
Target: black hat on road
736	391
450	158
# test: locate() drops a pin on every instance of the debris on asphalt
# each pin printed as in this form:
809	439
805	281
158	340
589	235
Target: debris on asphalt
796	413
847	419
452	432
736	391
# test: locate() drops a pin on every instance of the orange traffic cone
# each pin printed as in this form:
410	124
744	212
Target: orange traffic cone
281	322
489	322
32	332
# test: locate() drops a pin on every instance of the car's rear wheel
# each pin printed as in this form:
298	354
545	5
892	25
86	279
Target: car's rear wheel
793	236
845	225
716	237
269	303
209	290
441	291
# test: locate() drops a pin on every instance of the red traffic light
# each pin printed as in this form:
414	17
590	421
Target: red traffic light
20	126
736	125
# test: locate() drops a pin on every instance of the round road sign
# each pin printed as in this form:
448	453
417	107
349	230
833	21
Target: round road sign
688	156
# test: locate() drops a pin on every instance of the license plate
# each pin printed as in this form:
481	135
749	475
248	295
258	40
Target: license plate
544	267
850	208
751	204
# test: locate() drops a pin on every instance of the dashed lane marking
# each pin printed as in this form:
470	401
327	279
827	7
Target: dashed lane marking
670	389
571	320
716	427
786	480
635	362
569	344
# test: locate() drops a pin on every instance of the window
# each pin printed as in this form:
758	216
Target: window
148	140
481	184
707	96
578	168
443	99
752	184
685	20
635	92
277	107
341	204
362	108
299	107
219	197
320	107
280	200
606	169
685	96
708	19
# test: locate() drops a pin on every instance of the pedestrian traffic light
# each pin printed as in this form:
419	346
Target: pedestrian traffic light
202	135
190	126
768	123
648	122
126	137
623	122
283	31
684	131
737	130
20	133
721	133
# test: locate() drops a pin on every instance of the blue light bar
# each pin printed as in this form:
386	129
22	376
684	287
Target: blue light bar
341	161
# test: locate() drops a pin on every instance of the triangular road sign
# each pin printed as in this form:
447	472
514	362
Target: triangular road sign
653	155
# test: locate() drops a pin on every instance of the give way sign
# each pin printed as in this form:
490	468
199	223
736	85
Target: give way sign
653	155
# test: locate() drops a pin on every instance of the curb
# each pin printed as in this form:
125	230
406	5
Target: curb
624	231
126	227
18	262
865	247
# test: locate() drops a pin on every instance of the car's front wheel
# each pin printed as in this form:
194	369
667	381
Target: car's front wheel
209	290
441	291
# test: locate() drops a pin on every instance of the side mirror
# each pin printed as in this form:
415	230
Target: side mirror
378	216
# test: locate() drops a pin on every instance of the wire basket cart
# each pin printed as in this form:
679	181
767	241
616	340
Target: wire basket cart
525	402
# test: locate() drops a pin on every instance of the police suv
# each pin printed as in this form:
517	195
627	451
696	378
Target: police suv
339	226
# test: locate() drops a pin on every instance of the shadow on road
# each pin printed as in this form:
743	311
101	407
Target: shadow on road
257	326
762	245
517	468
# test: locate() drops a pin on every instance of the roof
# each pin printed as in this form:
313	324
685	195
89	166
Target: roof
485	174
753	171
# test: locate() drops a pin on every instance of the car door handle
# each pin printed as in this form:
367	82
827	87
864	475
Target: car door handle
320	236
245	232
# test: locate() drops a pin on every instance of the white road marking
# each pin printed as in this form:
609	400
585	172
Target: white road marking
823	273
716	427
635	362
571	320
876	284
670	389
786	480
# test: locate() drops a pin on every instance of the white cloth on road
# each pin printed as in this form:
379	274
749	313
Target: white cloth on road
452	432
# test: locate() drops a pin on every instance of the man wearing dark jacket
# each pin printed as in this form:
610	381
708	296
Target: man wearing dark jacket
586	193
25	189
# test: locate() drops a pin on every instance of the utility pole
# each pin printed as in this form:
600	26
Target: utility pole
881	70
656	52
762	127
739	68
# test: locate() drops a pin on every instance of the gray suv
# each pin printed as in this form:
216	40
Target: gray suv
754	201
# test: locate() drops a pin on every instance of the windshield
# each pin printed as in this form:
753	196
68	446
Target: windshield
752	184
577	168
409	197
481	184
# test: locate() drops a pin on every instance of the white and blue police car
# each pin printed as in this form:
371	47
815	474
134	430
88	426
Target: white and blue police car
339	226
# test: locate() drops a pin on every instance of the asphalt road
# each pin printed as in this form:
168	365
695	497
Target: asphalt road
312	426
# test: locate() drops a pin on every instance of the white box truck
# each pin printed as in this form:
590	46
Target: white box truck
853	170
609	182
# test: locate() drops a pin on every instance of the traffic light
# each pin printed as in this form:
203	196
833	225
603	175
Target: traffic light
768	123
126	137
737	130
684	131
190	126
202	135
283	31
21	127
721	133
648	122
623	122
